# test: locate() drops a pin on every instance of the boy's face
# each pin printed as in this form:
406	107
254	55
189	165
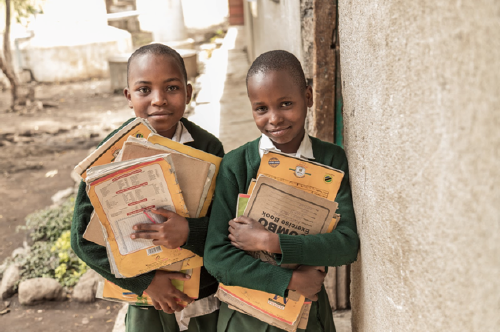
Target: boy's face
157	91
279	108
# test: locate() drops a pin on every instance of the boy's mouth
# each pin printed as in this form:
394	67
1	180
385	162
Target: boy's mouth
159	114
278	131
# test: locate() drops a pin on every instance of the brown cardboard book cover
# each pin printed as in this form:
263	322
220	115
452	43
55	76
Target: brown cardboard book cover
272	309
191	174
316	178
120	199
93	232
281	208
195	153
285	209
107	152
112	292
310	176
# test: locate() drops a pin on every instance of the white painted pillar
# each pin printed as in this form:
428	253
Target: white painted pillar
164	18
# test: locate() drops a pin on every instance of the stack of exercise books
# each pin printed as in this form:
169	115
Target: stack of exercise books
133	172
290	196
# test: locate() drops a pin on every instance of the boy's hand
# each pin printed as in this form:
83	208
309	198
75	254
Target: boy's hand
307	280
250	235
164	295
172	234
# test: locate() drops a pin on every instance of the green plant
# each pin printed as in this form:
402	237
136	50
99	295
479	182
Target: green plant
70	267
51	254
48	224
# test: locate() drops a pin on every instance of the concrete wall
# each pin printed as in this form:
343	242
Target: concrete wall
75	56
273	25
71	40
421	90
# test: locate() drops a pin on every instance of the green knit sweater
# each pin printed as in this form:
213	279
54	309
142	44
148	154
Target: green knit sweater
95	255
233	267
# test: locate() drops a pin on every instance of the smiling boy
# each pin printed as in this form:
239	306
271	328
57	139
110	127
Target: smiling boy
159	92
279	97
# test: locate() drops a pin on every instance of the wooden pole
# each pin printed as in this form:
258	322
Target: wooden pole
324	61
337	282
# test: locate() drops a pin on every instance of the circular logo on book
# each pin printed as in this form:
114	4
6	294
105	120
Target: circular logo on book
328	178
273	162
300	171
139	135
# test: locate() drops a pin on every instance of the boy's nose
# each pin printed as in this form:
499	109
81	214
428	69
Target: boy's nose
275	117
158	99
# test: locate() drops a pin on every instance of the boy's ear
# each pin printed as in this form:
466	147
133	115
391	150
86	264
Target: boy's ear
126	92
189	93
309	96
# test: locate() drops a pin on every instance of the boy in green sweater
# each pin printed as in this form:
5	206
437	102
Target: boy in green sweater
158	91
280	98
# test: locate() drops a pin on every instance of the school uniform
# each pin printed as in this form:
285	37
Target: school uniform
233	267
148	318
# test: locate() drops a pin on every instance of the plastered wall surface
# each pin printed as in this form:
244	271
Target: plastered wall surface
421	89
272	26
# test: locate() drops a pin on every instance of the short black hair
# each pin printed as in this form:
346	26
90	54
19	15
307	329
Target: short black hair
278	60
158	49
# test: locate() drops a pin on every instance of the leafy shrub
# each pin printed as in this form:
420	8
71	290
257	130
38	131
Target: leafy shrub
70	267
48	224
50	254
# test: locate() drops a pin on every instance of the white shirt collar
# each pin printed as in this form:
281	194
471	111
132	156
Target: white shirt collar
182	135
305	149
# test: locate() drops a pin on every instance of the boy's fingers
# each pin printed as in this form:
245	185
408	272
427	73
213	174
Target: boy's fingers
179	276
231	228
166	307
313	297
156	304
146	227
144	235
183	297
163	212
165	243
174	305
178	296
242	220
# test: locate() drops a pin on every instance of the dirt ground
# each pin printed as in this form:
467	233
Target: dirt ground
64	316
37	154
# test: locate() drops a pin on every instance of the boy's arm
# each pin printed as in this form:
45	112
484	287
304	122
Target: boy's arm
229	265
340	247
197	235
95	255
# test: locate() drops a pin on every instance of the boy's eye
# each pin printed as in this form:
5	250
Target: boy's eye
261	109
172	88
143	89
286	103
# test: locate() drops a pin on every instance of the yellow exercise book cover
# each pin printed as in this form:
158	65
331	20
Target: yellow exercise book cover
269	308
120	200
320	180
309	176
195	153
113	292
108	151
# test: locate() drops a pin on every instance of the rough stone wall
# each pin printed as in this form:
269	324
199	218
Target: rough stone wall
421	90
